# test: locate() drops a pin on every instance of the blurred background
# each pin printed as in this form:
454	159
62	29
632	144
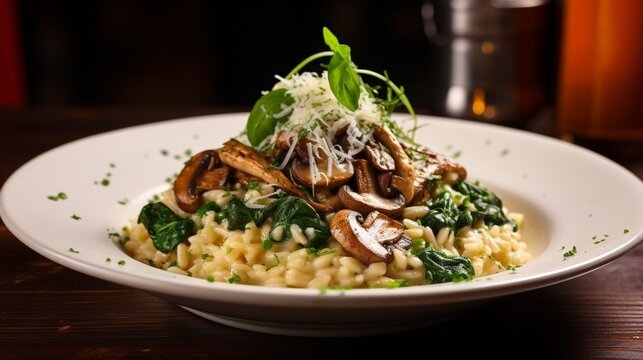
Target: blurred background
574	65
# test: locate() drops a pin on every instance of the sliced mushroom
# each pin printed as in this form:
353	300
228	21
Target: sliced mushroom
365	177
404	243
384	180
367	202
388	230
186	192
403	165
283	142
422	195
328	198
379	158
441	163
243	158
339	174
213	179
361	243
244	178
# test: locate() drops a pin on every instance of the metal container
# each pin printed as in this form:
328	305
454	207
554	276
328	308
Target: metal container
487	58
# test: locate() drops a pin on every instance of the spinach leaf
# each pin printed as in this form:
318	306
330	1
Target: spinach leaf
488	205
238	214
285	211
291	210
166	229
343	78
209	206
441	268
262	120
443	212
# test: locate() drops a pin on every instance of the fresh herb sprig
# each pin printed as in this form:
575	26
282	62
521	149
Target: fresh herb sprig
345	83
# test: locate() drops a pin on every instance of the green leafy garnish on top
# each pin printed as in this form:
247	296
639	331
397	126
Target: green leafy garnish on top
267	111
345	82
342	75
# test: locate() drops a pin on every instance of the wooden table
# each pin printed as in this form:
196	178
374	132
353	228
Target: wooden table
48	311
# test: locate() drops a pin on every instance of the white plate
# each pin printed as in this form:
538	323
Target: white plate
570	197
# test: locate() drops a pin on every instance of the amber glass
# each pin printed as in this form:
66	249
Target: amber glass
601	70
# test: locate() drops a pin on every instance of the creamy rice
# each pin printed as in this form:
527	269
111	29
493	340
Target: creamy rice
247	257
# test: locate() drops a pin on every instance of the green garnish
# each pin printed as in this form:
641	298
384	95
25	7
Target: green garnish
59	196
345	83
108	260
570	253
393	284
267	244
625	231
210	278
173	263
122	262
75	217
235	278
105	182
265	114
72	250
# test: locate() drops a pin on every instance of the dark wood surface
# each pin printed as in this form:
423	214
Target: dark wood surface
48	311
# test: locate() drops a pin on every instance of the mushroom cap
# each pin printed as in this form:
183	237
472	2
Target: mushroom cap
367	202
185	186
403	165
379	158
339	174
362	244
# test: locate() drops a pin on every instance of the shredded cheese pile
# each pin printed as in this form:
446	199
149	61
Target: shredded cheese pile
317	115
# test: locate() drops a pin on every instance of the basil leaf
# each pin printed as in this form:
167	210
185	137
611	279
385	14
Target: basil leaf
441	268
262	120
342	76
166	229
331	40
344	82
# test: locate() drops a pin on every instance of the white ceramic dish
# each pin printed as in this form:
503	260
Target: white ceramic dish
571	198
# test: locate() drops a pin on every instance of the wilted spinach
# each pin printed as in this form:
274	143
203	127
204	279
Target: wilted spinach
488	205
441	268
286	211
443	212
166	229
209	206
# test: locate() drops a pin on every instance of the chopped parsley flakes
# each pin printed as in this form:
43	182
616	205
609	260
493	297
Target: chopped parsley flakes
75	217
72	250
625	231
122	262
59	196
570	253
235	278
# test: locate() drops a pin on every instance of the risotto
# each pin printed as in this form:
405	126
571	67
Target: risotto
325	190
